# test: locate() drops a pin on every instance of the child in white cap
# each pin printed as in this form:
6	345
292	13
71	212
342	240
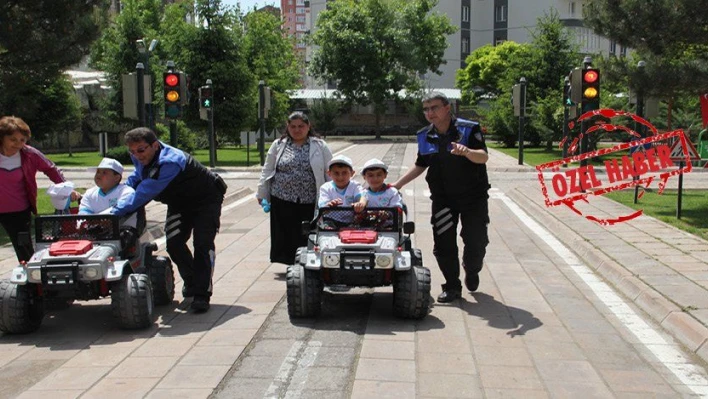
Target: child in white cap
108	191
342	190
379	194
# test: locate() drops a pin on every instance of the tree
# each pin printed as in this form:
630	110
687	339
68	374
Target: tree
212	49
271	57
324	113
39	39
373	49
669	35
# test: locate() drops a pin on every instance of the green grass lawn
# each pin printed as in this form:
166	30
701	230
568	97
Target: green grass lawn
539	155
694	208
230	156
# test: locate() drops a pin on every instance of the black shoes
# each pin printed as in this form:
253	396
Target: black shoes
471	281
449	296
200	304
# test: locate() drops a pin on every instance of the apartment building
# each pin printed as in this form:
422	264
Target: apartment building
482	22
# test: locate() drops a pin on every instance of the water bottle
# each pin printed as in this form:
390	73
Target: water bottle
266	205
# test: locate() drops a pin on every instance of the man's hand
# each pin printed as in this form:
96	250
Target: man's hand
459	149
75	196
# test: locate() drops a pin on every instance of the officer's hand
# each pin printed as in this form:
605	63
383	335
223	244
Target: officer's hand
459	149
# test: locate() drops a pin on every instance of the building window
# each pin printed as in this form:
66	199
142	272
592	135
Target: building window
498	41
300	27
571	8
613	47
465	45
290	2
465	14
300	10
623	51
300	18
500	13
300	2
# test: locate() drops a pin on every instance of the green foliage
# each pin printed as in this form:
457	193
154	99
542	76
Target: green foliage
324	113
271	58
501	123
374	48
120	154
186	138
38	41
212	49
670	36
116	52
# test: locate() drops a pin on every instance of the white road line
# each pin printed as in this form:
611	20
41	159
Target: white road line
408	192
669	355
282	377
299	379
347	148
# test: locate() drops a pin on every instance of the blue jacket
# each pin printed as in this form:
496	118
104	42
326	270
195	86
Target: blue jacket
174	178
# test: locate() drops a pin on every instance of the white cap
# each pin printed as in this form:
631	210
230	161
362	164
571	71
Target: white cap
341	159
109	163
374	163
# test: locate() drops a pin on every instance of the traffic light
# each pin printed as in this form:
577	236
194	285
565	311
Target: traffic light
206	97
590	89
173	88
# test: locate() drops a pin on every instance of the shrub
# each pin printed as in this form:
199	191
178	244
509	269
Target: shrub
120	154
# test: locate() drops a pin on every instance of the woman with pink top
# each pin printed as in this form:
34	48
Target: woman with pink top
19	164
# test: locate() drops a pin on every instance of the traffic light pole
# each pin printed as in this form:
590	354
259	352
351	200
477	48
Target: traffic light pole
173	133
522	114
638	127
261	117
212	139
140	72
566	129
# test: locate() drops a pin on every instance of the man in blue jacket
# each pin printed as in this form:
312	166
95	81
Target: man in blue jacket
454	153
193	195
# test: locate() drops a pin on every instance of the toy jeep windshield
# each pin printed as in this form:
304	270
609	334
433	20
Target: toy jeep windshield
371	248
84	257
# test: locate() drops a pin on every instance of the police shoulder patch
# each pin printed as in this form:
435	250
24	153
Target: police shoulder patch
465	123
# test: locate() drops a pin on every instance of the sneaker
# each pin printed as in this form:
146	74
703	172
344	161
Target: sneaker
472	281
200	304
187	292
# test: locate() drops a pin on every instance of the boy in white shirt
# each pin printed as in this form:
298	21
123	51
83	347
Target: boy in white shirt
108	191
341	191
379	194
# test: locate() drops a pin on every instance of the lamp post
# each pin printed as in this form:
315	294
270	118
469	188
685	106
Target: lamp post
638	127
145	51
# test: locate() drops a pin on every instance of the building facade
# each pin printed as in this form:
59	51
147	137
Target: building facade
482	22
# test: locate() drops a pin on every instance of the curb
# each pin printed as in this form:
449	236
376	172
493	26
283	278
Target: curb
679	324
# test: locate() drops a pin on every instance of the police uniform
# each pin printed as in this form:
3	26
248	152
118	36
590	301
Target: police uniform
458	190
193	195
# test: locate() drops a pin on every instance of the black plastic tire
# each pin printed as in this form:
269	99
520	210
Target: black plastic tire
411	293
304	292
162	278
132	301
21	312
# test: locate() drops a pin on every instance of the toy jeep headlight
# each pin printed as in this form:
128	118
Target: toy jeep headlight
330	260
36	275
90	272
383	261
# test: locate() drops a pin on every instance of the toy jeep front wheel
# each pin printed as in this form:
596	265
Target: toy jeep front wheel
132	301
304	291
411	293
163	280
21	311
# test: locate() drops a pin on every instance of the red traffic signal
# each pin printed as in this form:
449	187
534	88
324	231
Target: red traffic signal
590	89
173	82
590	76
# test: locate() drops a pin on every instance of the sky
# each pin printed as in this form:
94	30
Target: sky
248	4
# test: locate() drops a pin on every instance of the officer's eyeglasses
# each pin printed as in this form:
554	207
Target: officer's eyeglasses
139	150
434	108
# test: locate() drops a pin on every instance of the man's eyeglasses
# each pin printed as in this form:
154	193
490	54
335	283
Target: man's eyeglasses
434	108
139	150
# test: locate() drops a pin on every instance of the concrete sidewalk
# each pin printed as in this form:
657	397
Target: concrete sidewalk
661	269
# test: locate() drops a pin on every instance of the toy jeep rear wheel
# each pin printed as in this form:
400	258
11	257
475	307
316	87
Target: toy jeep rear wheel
21	311
163	280
132	301
411	293
304	292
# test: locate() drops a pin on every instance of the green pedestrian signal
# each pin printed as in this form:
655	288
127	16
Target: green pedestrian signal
206	99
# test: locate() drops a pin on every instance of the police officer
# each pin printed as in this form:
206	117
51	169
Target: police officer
453	151
193	195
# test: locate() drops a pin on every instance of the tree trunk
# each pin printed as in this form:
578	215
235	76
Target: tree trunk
378	123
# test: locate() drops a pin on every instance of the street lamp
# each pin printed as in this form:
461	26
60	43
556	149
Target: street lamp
145	51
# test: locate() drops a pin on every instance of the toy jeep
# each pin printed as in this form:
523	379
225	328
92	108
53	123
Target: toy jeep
82	257
371	248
